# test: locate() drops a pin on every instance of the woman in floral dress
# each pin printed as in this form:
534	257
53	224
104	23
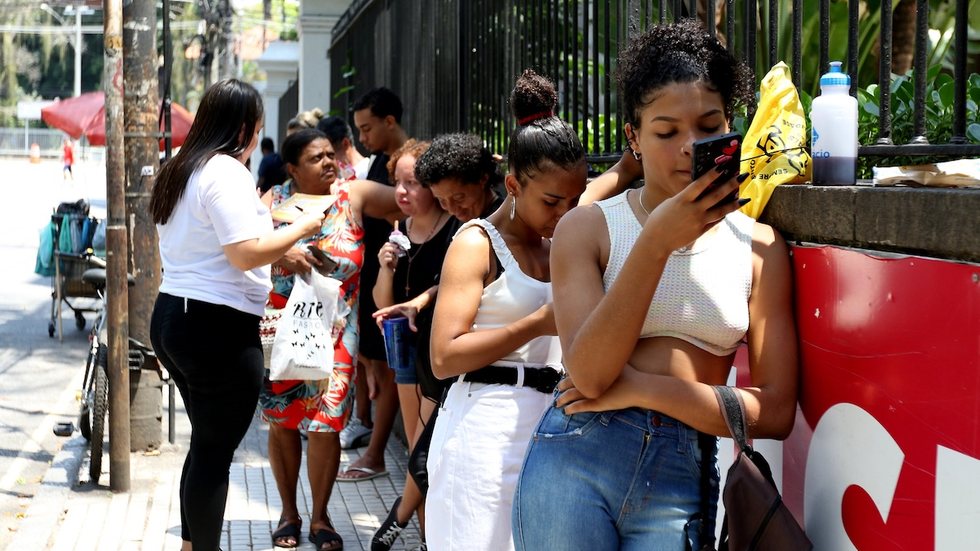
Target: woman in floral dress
321	407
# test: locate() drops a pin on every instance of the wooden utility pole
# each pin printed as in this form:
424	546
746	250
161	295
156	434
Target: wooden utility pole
141	107
116	246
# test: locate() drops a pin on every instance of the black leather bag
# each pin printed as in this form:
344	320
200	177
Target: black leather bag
755	516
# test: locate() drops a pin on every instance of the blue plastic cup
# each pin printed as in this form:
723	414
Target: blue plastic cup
399	347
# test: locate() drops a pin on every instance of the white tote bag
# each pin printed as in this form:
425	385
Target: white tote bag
303	347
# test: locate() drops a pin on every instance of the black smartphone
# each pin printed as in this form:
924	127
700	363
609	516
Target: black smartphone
327	264
723	151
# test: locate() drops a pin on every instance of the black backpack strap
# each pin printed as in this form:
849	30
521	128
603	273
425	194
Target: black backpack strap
731	403
707	444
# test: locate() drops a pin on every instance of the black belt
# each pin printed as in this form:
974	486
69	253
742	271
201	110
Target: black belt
543	379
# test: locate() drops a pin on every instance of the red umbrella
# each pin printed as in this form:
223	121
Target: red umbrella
85	115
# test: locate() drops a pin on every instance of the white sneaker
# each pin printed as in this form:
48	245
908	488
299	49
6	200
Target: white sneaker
354	435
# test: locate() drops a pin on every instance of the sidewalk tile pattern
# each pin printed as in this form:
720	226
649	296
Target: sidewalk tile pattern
70	513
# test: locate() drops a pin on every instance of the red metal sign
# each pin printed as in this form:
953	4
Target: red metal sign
886	451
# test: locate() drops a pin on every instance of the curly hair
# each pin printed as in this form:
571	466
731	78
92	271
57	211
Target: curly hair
678	53
540	137
461	157
412	147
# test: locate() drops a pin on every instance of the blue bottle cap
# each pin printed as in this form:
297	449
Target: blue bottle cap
836	77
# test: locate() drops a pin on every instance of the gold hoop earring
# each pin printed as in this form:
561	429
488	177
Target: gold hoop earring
636	154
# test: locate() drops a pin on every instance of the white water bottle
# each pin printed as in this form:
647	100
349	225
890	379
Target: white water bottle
834	125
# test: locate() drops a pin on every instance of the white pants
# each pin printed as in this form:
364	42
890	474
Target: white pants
478	446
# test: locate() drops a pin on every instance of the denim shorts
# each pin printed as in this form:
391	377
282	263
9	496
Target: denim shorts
625	479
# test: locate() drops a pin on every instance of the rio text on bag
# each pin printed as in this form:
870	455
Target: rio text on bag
303	347
755	516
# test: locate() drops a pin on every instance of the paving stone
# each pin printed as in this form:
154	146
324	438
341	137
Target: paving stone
67	514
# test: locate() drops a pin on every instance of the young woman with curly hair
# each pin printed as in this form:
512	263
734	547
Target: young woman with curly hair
655	289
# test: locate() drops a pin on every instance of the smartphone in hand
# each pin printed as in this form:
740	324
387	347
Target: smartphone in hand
722	151
327	264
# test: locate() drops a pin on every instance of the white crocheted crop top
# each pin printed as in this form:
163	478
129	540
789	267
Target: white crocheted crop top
703	293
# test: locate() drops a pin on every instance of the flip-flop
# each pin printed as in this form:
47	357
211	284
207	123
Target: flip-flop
369	474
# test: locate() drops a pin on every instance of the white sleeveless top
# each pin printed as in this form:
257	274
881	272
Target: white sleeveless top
703	294
512	296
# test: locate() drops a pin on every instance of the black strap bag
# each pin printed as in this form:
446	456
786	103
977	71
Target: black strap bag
420	456
755	516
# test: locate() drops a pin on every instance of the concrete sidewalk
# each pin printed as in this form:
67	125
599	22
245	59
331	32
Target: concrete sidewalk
70	513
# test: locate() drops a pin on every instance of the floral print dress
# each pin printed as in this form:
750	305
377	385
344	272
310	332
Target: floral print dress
325	405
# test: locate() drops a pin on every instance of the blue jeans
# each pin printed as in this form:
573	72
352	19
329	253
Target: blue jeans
627	479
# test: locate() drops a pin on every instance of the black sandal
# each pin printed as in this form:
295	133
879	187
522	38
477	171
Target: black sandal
287	530
326	536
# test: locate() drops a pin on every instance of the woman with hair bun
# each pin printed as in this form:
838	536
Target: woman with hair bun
494	329
655	290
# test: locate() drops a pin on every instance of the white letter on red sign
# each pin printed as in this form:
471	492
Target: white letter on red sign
957	506
849	447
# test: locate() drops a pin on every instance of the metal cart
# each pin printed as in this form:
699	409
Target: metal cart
71	259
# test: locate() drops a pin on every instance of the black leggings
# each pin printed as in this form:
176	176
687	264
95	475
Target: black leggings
215	357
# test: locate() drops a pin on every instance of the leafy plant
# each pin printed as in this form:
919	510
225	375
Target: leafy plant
939	100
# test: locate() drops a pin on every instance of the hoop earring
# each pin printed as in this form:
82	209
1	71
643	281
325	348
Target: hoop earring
513	207
636	154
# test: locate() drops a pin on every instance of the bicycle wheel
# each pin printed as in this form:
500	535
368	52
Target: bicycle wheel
100	405
84	424
85	405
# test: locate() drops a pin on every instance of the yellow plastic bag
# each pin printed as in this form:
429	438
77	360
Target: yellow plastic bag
774	149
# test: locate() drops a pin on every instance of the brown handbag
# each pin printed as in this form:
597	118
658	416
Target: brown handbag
755	516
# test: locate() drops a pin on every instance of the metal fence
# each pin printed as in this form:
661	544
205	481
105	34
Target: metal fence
454	62
289	104
17	141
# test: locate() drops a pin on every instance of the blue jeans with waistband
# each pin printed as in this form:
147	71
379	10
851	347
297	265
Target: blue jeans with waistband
627	479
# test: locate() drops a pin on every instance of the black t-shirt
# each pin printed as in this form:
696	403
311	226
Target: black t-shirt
419	269
273	169
376	233
432	387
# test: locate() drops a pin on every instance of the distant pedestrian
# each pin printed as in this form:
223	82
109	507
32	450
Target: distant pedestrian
216	242
272	171
68	157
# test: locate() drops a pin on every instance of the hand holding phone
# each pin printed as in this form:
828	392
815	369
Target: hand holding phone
327	264
723	152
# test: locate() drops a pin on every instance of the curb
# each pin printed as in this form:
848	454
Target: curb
50	503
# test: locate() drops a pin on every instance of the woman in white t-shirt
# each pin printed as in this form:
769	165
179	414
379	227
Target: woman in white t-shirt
216	242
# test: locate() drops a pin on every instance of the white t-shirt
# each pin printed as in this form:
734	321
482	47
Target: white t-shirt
218	207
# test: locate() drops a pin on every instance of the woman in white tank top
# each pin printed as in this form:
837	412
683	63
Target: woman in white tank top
654	291
494	329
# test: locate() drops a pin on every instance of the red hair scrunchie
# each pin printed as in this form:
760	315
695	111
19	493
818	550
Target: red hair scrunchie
531	118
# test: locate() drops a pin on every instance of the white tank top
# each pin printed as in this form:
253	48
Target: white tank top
511	297
703	295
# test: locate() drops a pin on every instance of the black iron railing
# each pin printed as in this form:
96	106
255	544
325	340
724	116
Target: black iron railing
454	62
